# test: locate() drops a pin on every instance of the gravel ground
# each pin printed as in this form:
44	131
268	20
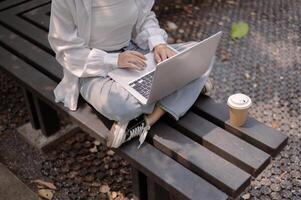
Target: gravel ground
266	65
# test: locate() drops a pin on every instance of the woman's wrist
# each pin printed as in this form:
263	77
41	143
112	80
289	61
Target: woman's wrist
162	52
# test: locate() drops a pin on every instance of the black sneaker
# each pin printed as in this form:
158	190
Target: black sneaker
125	131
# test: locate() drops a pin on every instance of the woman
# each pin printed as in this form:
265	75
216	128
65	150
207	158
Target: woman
91	38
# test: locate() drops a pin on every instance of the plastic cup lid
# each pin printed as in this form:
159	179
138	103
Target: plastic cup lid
239	101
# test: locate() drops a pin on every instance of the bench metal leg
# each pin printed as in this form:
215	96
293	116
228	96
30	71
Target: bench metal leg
145	188
139	185
151	188
31	109
155	192
47	116
41	115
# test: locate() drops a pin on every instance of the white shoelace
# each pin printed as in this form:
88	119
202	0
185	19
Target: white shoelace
143	135
139	130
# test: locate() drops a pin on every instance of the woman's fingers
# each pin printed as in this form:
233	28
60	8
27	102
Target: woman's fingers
138	60
163	55
131	60
160	56
170	53
131	65
157	57
138	63
140	55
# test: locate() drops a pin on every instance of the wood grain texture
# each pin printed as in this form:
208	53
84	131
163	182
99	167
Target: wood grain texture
226	176
168	173
254	132
237	151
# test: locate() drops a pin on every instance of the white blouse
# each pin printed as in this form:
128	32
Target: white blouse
112	23
70	33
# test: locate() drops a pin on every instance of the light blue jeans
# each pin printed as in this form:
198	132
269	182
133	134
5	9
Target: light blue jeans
110	99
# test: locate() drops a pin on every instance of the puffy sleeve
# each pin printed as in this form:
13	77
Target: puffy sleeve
148	33
71	51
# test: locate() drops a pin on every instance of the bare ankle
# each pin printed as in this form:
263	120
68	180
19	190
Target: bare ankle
155	115
148	120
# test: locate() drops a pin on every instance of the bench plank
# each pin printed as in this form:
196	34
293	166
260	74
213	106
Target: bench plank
8	4
10	19
39	17
168	173
254	132
199	159
155	192
42	60
139	184
223	143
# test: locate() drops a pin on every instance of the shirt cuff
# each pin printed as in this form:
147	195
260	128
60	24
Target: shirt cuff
111	59
155	40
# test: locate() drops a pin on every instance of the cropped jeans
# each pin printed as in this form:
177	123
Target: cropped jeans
111	100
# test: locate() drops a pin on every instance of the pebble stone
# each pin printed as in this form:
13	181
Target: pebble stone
286	194
275	196
275	187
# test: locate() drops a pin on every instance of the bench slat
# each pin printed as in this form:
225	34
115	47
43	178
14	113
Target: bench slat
10	18
223	143
31	52
39	17
8	4
254	132
199	159
167	172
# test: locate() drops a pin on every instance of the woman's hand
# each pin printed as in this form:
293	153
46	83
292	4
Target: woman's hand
131	60
162	52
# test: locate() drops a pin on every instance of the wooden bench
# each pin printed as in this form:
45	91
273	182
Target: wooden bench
199	157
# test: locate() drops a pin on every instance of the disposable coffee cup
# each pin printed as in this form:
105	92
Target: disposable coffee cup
239	105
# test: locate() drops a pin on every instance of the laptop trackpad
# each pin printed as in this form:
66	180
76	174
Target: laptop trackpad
129	75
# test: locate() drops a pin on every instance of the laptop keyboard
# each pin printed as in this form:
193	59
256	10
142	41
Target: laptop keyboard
143	85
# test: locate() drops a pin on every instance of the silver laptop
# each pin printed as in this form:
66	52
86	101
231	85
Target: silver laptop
159	80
